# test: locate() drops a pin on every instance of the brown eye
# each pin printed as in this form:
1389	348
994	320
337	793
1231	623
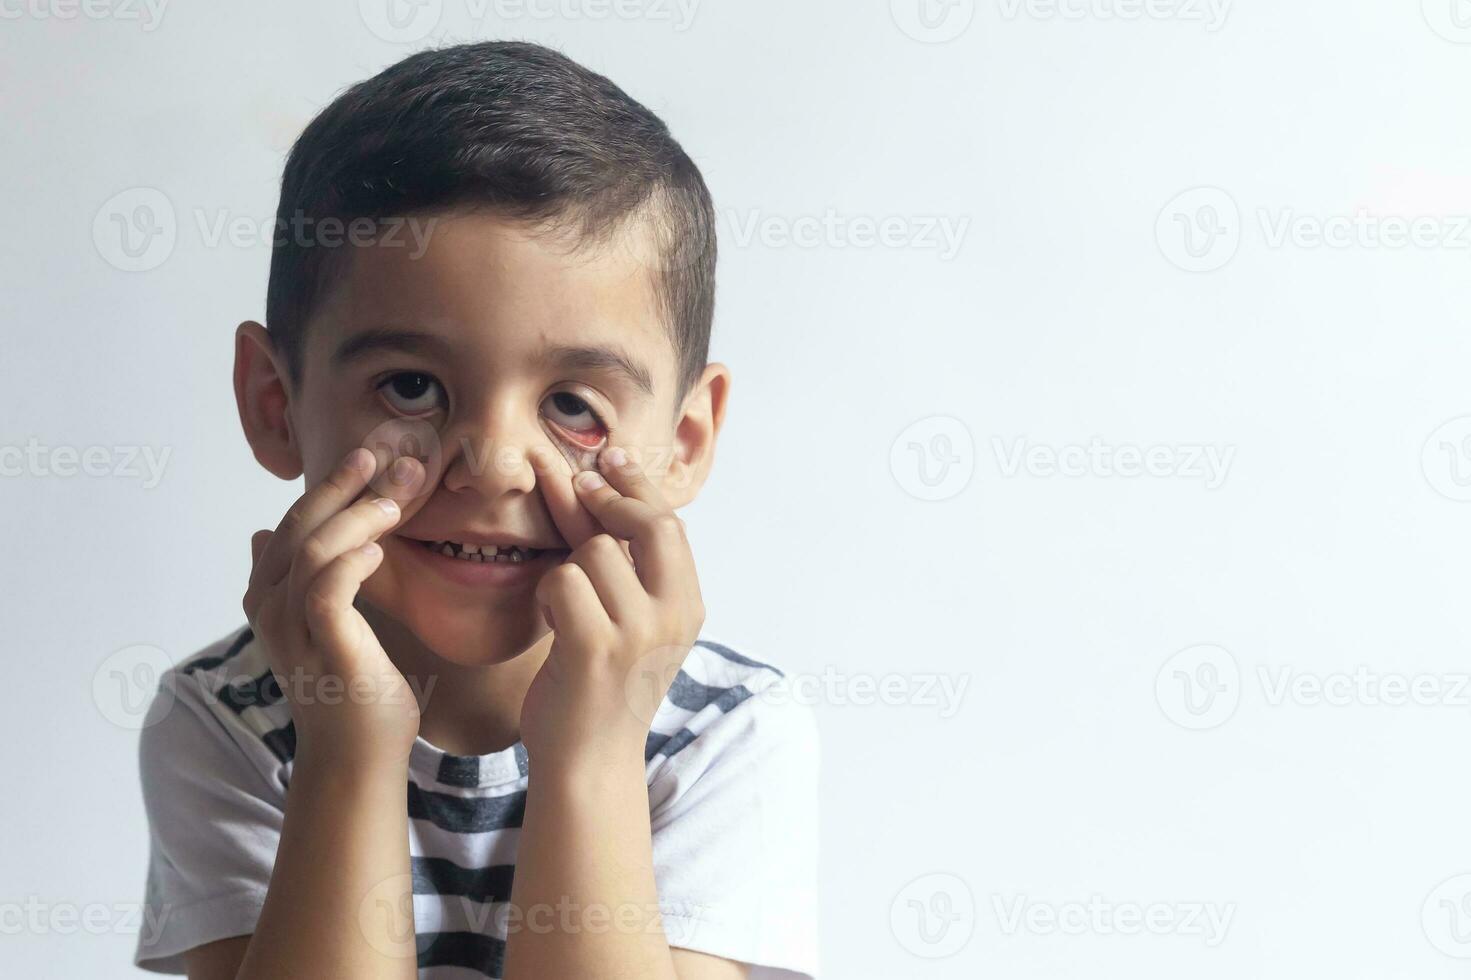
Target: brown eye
413	392
575	417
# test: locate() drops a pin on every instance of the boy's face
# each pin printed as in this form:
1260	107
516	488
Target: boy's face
493	345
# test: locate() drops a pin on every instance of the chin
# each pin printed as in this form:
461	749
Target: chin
475	648
468	630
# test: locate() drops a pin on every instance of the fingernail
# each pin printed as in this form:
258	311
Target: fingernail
403	469
372	549
616	457
390	507
361	461
588	480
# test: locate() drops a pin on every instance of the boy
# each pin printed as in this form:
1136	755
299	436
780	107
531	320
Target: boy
472	728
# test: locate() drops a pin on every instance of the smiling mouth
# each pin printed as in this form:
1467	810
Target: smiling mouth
513	554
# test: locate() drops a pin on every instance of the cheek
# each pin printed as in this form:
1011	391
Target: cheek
399	437
579	457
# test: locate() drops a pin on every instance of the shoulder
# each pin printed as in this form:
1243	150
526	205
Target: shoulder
726	702
220	702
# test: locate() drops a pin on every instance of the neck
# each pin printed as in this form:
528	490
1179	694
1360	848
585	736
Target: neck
464	710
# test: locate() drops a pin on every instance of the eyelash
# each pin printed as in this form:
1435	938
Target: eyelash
385	386
387	382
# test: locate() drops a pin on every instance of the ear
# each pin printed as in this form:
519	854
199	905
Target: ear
263	396
695	432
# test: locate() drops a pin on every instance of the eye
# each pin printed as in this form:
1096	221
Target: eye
574	416
413	393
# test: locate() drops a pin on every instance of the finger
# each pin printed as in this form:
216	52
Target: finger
622	469
364	521
403	481
575	614
656	539
328	610
554	477
612	576
334	493
253	595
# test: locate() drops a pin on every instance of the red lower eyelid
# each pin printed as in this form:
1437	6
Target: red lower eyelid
588	439
583	437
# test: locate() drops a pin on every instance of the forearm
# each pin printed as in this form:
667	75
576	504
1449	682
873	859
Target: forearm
340	898
584	902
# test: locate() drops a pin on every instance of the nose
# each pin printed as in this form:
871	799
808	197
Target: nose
491	450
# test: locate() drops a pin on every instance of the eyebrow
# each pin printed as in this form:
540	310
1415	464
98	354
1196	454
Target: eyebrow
597	357
605	358
392	339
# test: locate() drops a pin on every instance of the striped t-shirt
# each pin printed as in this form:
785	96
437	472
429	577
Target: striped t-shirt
732	772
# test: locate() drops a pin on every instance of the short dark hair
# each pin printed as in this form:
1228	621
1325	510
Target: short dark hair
513	127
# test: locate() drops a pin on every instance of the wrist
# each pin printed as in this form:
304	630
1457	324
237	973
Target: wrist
591	767
333	761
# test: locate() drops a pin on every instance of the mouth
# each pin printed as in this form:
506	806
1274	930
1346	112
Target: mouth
461	551
480	564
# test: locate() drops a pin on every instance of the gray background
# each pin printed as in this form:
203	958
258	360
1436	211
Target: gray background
1139	196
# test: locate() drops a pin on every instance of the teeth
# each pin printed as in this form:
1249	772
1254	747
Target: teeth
482	552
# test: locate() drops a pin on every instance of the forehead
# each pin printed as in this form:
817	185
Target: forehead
498	290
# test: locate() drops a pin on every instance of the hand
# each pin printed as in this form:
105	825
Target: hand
612	611
347	699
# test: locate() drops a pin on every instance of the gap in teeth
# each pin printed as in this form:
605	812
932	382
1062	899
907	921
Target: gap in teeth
482	553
